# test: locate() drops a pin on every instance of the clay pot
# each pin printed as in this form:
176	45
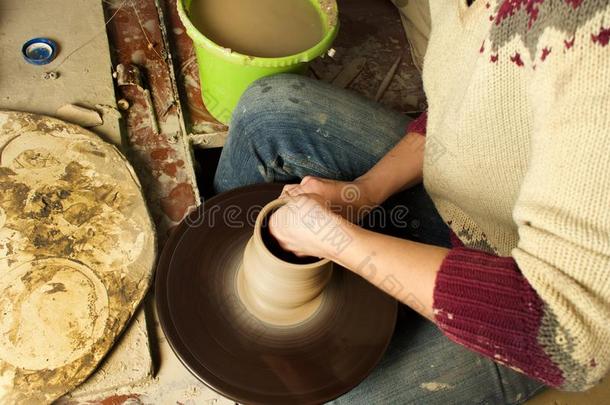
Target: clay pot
275	290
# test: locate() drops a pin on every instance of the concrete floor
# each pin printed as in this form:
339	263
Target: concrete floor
71	23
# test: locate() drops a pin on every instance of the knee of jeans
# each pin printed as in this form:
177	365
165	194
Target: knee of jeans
280	84
252	130
278	94
267	101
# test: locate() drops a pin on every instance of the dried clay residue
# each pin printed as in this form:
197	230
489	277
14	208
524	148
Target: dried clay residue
77	248
435	386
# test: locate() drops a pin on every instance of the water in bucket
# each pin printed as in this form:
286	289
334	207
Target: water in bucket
263	28
240	41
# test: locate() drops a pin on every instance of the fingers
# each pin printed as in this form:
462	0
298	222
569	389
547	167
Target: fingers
281	234
297	254
292	249
313	184
288	248
306	186
306	180
309	185
290	190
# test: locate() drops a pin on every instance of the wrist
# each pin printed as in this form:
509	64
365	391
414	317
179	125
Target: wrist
338	238
371	190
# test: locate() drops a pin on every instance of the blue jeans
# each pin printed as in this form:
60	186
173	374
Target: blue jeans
286	127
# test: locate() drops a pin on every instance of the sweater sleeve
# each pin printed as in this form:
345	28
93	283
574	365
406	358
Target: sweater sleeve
418	125
485	303
546	309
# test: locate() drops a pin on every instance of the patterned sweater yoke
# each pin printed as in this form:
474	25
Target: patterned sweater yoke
518	164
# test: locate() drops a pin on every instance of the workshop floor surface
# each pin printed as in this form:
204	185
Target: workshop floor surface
371	40
166	114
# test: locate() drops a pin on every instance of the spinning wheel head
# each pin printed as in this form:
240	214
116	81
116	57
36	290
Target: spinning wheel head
249	358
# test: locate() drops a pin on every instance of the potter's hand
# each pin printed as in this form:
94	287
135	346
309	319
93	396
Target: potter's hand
351	200
302	225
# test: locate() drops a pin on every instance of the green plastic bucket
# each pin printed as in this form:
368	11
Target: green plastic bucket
225	75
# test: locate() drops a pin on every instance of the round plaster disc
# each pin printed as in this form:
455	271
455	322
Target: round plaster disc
236	354
77	254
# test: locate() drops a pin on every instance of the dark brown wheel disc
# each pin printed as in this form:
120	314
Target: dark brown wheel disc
241	357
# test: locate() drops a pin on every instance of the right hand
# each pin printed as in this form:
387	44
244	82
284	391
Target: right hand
352	200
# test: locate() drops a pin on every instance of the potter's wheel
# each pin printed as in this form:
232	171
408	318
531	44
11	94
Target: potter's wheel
236	354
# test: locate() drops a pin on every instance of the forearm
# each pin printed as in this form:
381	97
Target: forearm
400	169
480	300
404	269
471	295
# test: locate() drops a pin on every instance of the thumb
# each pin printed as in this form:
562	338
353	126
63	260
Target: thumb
311	181
306	180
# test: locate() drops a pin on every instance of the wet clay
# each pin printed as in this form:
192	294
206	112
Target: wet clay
263	28
276	286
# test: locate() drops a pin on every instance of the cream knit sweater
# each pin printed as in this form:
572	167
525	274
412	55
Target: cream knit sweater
518	163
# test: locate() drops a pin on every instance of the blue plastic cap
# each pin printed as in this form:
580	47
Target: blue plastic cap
39	51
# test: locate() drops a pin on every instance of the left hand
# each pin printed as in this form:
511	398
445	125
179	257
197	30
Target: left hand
352	200
300	226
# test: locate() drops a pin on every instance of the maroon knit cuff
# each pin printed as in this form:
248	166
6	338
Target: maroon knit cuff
483	302
419	124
